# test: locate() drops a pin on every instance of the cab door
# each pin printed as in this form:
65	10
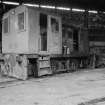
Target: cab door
54	35
43	32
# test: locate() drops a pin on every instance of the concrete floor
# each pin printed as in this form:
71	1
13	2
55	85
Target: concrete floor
80	88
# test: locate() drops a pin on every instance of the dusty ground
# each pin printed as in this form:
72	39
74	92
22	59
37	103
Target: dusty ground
79	88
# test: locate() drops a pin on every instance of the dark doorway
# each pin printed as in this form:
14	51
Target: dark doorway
43	31
75	40
32	68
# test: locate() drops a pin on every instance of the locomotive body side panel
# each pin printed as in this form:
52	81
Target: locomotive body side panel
15	33
33	23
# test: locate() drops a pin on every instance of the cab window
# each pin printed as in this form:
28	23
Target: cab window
21	21
6	25
54	25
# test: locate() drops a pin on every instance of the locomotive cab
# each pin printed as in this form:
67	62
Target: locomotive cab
31	31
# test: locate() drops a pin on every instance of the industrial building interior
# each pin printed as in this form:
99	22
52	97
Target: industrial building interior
75	15
53	45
